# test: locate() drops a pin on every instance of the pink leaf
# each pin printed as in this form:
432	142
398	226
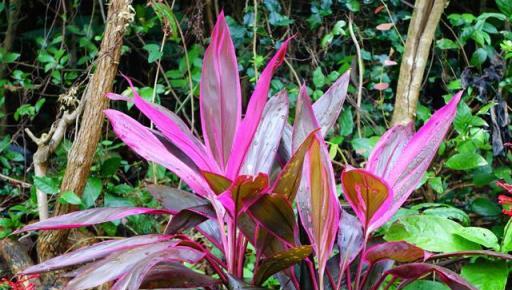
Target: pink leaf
381	86
389	62
220	95
94	252
145	143
369	196
415	158
89	217
388	150
328	107
175	276
384	26
247	128
350	239
133	279
305	120
118	264
268	135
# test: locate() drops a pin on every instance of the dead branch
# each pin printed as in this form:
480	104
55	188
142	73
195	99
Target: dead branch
16	258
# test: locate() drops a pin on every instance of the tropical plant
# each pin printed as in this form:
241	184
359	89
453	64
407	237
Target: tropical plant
243	192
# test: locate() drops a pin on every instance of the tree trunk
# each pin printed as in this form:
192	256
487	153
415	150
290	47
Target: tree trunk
14	9
82	152
422	28
16	259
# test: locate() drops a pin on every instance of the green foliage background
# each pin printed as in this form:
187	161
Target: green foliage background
57	41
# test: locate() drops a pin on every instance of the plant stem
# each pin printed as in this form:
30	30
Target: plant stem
254	39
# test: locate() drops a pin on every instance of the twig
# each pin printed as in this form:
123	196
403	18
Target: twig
255	38
14	180
360	72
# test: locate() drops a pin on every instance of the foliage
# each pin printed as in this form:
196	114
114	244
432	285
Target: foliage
438	212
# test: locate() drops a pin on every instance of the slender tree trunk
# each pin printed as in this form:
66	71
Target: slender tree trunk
13	14
82	152
422	28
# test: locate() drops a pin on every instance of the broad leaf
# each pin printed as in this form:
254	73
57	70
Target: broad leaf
279	262
89	217
244	191
368	195
480	236
431	233
220	94
190	217
217	182
486	275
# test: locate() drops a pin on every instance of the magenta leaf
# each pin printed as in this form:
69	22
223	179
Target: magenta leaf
135	276
305	120
328	107
145	143
413	271
89	217
409	163
400	251
262	151
93	252
220	95
350	239
119	264
244	191
175	276
369	196
251	121
388	150
326	110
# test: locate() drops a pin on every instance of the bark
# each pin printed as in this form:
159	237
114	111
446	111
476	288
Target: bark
14	9
15	257
82	152
424	21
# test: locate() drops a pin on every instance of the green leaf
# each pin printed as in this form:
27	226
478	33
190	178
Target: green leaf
506	244
346	122
46	184
318	78
353	5
69	197
279	262
449	212
486	275
92	191
480	236
465	161
485	207
154	52
437	184
430	233
110	166
426	285
478	57
505	7
445	43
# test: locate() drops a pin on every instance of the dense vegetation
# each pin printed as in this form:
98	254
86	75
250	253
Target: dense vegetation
451	227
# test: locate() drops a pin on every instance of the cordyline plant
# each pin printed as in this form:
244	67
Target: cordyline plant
243	193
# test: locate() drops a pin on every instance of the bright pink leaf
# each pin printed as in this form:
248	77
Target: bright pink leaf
220	95
145	143
89	217
384	26
251	121
381	86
